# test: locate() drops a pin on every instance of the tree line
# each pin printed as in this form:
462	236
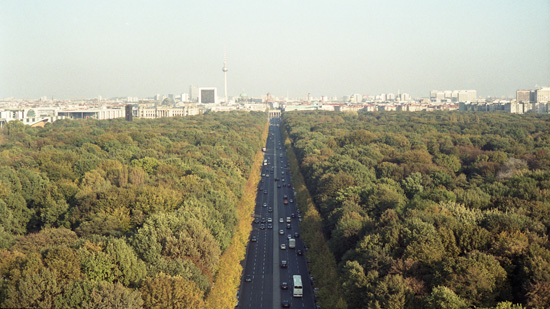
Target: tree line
114	213
438	210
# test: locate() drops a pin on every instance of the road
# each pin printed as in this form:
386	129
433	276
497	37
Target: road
262	264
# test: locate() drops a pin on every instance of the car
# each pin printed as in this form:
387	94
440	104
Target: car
296	235
281	220
269	220
265	191
281	232
248	278
269	226
289	186
284	264
289	236
291	200
284	285
276	179
282	173
285	202
262	226
285	303
265	205
283	180
263	175
293	215
262	181
279	186
287	226
299	252
288	220
285	196
263	220
267	175
283	246
253	239
270	209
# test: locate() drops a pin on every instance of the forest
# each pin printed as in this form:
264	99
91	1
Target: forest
121	214
431	209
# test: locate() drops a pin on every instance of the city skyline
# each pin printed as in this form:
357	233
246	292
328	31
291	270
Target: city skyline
72	50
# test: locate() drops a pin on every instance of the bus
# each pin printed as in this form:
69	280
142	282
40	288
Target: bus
298	290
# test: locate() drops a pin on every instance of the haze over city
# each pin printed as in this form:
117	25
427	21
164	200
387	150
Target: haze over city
74	49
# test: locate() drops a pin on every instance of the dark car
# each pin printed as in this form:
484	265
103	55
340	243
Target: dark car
247	278
287	226
299	252
269	226
284	285
257	220
285	303
293	215
263	220
296	235
262	226
284	264
253	239
265	191
270	209
279	186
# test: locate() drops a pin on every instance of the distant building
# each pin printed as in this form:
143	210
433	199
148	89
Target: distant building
167	111
453	96
208	95
543	95
467	95
129	112
523	96
193	93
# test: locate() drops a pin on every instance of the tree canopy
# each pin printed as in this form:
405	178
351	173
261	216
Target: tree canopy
438	210
120	214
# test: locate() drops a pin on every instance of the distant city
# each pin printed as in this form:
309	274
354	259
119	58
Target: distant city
37	112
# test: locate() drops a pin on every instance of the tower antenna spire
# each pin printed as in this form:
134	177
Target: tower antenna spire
224	69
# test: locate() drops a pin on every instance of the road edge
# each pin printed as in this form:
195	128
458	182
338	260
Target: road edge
228	276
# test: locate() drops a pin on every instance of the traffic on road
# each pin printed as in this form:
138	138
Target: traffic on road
275	270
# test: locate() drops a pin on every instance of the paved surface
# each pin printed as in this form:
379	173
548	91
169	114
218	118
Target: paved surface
263	258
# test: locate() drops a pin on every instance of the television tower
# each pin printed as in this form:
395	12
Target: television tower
224	69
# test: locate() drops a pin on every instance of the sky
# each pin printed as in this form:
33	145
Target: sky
70	49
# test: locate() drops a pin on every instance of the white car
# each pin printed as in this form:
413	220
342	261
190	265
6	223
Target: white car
269	220
281	220
281	232
265	205
283	246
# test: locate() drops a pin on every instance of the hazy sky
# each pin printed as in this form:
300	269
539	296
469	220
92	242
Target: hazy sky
79	48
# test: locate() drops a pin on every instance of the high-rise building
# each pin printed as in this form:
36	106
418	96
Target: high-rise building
543	94
193	93
129	112
523	96
208	95
467	95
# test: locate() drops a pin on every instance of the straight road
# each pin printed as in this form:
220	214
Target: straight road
262	272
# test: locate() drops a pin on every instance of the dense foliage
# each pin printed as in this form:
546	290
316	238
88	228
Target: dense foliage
440	210
115	213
